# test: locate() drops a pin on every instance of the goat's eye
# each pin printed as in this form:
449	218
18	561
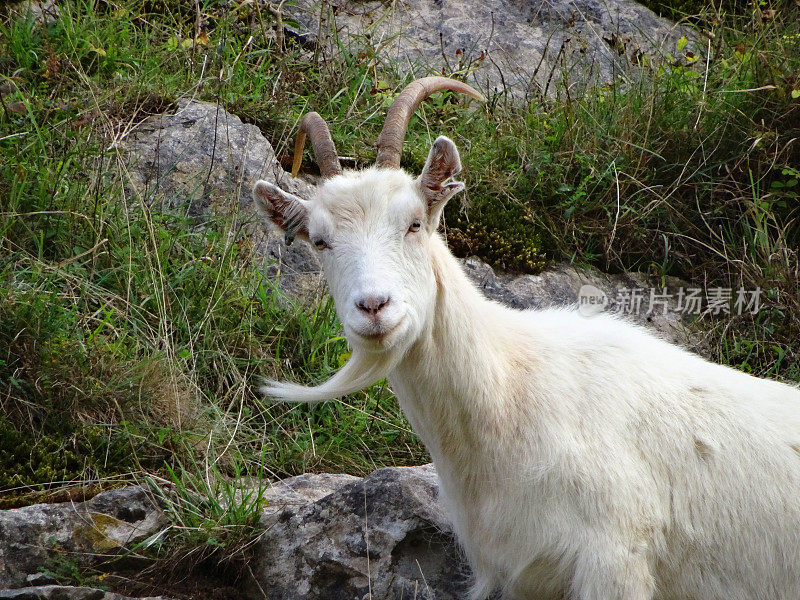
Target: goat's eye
414	226
321	244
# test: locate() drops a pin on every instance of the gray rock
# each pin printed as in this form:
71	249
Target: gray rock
303	489
64	592
82	532
53	592
326	536
39	579
43	12
525	48
564	285
201	162
384	536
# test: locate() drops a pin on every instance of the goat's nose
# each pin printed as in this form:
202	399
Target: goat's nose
372	305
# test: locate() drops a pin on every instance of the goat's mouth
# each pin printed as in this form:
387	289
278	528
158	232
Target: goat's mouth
377	336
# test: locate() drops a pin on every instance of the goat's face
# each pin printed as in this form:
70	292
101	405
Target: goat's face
372	230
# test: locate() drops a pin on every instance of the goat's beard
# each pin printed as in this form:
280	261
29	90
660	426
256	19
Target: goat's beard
363	369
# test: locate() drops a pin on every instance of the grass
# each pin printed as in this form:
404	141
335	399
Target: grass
127	345
130	339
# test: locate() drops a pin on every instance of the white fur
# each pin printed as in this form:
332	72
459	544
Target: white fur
579	457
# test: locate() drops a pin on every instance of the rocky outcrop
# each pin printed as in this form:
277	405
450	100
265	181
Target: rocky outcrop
324	537
525	49
384	536
33	537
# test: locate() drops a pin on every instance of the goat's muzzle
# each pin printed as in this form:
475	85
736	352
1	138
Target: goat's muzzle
372	305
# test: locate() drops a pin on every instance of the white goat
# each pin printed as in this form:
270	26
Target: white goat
579	457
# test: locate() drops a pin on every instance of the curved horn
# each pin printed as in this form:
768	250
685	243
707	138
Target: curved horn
390	141
321	142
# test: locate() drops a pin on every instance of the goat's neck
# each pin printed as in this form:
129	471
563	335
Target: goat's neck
445	381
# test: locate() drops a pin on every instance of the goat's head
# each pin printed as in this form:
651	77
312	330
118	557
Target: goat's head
373	228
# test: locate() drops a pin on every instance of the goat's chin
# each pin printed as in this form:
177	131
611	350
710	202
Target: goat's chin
363	369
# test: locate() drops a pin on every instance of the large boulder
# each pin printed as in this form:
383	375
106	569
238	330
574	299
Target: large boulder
384	536
526	49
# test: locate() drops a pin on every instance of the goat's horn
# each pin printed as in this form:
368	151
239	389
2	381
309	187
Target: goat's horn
321	142
390	141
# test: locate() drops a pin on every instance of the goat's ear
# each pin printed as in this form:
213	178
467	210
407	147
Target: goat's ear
286	210
442	164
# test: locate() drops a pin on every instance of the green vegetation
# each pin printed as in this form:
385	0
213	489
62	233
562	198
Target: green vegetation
130	339
732	12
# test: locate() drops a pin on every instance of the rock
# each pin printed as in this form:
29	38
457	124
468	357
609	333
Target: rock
201	162
326	536
524	48
303	489
564	285
85	532
384	536
53	592
64	592
39	579
43	12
